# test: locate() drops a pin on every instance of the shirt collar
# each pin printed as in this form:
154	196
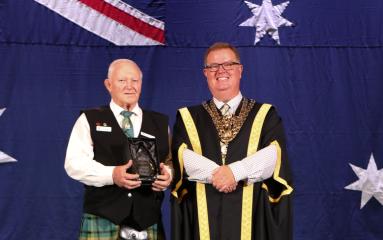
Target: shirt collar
116	109
233	103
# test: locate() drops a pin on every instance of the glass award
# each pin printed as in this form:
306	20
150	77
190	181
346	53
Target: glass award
143	153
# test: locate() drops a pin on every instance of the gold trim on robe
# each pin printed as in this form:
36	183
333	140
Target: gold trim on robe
247	194
203	217
277	178
181	163
248	191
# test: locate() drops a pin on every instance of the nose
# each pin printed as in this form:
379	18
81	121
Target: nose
128	83
221	69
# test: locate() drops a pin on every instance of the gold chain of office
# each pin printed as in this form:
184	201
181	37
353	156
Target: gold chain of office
228	126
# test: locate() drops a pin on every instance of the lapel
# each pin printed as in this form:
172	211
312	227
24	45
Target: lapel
114	123
148	127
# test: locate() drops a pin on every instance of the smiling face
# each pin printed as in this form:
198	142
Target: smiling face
124	83
223	84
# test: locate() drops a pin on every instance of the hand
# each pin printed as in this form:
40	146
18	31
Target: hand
163	180
123	179
223	179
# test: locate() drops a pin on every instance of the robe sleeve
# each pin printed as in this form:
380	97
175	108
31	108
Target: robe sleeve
276	191
180	142
181	210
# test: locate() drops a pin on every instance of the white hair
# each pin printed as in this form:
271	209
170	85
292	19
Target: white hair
119	61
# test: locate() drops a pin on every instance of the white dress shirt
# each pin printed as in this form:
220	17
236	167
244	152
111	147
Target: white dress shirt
254	168
249	168
233	103
79	160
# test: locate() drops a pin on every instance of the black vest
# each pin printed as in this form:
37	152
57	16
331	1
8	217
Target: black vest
138	208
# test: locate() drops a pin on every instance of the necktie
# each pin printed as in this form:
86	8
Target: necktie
225	110
127	125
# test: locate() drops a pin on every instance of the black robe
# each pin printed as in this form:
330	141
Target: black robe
271	211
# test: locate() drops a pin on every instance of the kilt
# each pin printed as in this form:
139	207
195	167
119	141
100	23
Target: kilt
97	228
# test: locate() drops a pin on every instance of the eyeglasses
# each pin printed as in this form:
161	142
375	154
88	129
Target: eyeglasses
226	66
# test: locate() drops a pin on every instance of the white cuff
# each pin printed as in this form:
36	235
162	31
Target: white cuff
198	167
109	176
261	165
239	170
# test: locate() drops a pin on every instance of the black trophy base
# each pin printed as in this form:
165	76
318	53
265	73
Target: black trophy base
146	181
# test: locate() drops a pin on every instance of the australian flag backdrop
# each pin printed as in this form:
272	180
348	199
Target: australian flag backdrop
320	62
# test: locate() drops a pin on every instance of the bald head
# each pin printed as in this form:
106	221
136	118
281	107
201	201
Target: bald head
122	61
124	83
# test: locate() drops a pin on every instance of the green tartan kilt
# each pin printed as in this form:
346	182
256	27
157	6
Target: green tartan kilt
97	228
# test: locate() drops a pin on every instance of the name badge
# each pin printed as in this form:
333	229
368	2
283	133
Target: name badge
147	135
103	129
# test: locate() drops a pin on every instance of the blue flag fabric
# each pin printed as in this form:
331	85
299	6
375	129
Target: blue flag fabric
325	78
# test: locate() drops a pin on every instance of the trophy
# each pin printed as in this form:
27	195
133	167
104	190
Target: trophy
143	152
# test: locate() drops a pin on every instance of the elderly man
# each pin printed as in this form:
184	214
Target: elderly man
116	203
232	179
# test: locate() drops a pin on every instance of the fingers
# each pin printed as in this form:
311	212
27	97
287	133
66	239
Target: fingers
132	184
223	179
161	183
129	164
217	179
123	179
130	181
163	180
227	188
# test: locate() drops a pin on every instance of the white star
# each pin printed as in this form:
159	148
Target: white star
4	157
267	18
370	182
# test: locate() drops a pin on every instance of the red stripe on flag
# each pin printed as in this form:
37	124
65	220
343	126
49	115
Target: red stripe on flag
127	20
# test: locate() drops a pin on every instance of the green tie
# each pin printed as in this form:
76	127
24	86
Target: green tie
127	125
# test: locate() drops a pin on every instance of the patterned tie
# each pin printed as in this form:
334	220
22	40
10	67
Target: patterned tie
225	110
127	125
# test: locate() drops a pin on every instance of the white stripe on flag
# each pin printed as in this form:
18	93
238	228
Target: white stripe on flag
137	13
98	23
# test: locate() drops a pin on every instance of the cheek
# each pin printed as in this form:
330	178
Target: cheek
138	89
114	89
137	86
210	84
211	79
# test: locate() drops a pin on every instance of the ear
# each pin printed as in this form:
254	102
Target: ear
107	84
240	70
205	72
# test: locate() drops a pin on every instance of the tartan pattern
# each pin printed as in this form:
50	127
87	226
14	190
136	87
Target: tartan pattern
97	228
155	233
